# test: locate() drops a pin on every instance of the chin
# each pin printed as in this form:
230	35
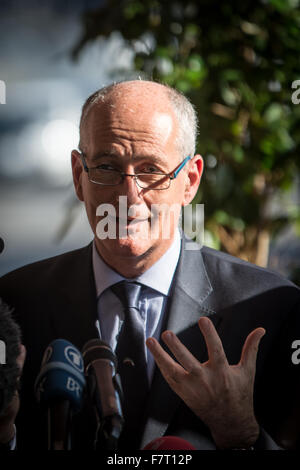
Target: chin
139	244
125	248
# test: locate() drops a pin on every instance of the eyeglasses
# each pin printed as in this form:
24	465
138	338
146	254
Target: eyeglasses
155	180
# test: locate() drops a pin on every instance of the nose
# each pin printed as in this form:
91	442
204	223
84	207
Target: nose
131	189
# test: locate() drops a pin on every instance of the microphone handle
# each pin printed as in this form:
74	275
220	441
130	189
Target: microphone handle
108	433
104	394
59	425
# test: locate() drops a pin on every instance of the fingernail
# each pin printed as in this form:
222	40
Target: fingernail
168	335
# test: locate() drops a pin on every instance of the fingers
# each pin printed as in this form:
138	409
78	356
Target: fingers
165	363
182	354
250	348
214	345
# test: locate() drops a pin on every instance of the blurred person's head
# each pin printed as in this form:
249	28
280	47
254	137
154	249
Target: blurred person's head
136	127
10	342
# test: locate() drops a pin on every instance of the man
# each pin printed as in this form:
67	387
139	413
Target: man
215	389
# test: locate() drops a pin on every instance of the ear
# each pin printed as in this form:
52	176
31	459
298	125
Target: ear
194	174
77	173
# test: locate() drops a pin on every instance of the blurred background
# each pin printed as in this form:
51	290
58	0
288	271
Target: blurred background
238	62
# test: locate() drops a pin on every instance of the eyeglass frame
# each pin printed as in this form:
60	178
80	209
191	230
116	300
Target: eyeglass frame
172	175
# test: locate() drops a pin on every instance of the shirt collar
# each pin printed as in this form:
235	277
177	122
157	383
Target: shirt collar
158	277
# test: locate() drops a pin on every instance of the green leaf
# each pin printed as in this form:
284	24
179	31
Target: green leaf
273	113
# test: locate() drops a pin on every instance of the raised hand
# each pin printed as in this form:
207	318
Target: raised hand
219	393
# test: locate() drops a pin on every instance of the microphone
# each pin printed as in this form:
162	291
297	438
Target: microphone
59	388
169	443
104	389
1	245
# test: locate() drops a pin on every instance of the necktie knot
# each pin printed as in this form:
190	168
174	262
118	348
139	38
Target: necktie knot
128	293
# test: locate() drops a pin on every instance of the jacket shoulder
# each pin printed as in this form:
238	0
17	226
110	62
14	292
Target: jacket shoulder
232	266
235	281
43	271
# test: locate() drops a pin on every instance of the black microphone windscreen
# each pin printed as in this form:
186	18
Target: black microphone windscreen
1	245
97	349
104	389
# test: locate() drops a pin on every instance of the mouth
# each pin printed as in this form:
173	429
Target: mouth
131	220
126	221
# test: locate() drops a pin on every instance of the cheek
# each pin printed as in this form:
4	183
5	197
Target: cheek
95	195
166	208
172	197
175	194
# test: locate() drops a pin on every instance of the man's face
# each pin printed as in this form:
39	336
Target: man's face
134	132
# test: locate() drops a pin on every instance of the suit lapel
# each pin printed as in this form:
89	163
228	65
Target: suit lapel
191	287
79	293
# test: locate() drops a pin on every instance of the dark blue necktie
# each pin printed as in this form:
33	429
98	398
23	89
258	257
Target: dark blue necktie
131	354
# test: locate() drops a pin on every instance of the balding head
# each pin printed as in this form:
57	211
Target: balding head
144	96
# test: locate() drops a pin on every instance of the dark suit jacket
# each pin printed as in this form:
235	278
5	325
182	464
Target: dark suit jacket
56	298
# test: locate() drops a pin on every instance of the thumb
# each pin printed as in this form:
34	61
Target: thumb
250	348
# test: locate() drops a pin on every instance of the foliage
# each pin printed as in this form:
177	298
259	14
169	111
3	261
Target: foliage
236	61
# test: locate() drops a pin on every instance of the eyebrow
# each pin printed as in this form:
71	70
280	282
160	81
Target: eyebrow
153	158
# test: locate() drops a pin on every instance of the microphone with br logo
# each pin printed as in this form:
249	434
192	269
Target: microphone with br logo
59	389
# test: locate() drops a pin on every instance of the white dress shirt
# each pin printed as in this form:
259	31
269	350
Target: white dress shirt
152	304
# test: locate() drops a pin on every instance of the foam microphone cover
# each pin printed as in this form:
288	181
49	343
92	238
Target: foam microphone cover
169	443
103	382
61	375
97	349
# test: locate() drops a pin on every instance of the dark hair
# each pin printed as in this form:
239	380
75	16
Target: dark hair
10	336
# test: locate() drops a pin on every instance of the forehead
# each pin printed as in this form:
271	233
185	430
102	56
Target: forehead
130	120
